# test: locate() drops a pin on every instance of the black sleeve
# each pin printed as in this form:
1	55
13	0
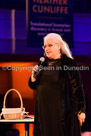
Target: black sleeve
77	86
31	84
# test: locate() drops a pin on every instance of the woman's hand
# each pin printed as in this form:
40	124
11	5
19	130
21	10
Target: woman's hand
81	118
35	71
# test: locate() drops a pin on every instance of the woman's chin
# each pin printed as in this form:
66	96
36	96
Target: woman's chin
49	56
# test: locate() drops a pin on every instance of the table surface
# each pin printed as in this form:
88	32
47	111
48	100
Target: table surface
25	120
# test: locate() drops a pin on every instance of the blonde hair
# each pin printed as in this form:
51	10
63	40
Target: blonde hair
64	48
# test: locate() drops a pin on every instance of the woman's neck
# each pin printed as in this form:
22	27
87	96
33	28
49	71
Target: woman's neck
57	56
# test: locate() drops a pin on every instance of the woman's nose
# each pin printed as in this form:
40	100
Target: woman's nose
47	48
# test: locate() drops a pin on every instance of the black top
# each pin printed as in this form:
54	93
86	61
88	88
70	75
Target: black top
48	98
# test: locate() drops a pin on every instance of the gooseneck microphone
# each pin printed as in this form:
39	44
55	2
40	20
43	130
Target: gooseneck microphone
37	68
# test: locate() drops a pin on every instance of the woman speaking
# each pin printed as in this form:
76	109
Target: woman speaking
60	102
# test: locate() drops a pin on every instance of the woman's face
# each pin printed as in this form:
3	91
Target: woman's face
51	48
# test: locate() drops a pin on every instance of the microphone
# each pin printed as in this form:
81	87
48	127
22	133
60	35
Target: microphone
37	68
41	60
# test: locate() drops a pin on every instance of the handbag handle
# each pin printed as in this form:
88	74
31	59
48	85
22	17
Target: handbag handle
18	95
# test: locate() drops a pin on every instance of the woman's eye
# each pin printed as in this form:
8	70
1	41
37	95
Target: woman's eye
50	45
44	47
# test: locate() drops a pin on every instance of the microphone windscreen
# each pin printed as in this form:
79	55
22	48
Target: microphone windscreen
42	59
